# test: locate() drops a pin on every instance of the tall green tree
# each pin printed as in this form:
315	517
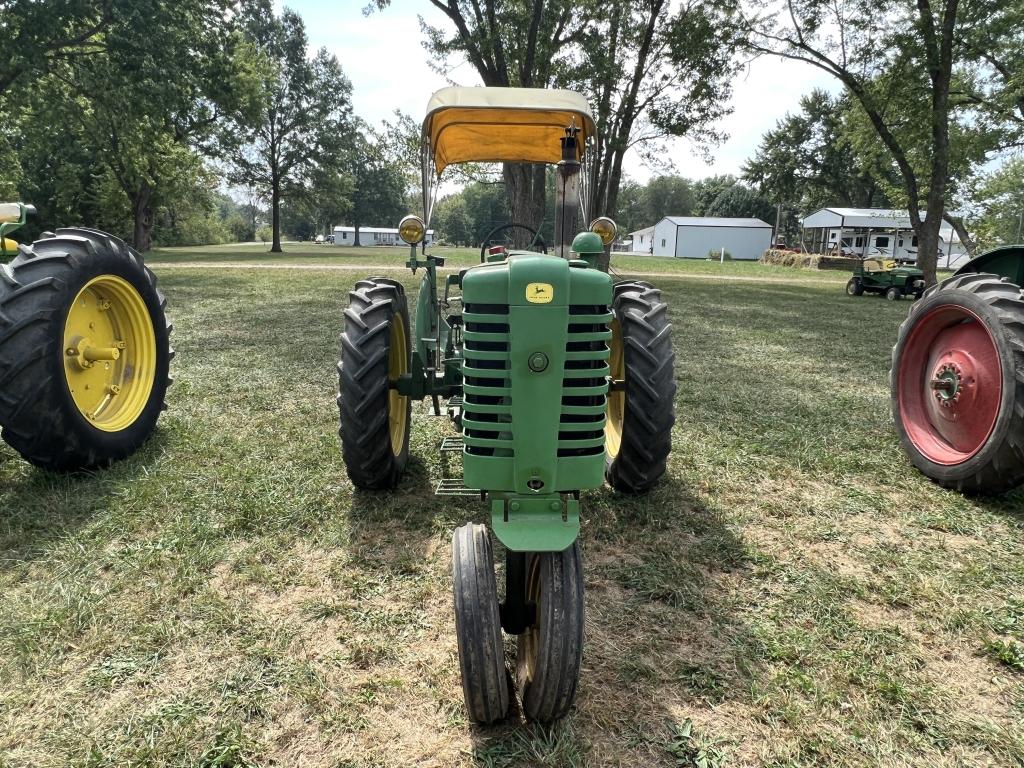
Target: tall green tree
34	35
302	126
378	186
143	101
668	196
913	68
999	218
651	69
805	162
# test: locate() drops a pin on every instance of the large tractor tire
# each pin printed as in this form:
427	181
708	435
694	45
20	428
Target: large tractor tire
84	351
478	625
550	652
639	419
375	352
958	384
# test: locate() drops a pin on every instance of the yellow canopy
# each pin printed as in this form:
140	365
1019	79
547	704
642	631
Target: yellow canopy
503	124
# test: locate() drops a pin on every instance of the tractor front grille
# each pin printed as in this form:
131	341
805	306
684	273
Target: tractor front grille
487	389
584	382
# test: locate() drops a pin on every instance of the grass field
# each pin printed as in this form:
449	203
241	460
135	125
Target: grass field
793	593
308	254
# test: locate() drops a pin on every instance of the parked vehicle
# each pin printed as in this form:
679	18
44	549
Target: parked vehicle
84	346
958	376
556	378
884	276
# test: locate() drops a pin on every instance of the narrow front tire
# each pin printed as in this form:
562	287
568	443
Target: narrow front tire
478	625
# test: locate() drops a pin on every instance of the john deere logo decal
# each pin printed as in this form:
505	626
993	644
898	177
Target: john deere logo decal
540	293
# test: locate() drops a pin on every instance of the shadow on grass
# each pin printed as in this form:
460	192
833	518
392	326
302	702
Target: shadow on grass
661	631
40	507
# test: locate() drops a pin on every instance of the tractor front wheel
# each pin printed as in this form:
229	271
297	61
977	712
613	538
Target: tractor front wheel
478	625
375	352
641	405
84	351
550	652
958	384
892	293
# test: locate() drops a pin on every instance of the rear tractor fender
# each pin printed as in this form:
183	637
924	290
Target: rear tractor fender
1006	261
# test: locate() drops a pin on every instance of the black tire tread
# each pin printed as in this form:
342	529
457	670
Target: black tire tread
1004	469
478	625
363	384
32	418
551	693
650	388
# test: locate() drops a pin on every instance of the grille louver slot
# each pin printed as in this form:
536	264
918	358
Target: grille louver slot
487	393
584	382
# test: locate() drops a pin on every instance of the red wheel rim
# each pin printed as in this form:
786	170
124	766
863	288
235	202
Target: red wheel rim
950	384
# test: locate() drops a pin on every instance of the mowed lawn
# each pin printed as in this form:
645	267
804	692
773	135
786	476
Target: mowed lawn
794	593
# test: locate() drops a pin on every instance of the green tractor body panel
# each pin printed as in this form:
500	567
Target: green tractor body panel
535	368
1006	261
12	217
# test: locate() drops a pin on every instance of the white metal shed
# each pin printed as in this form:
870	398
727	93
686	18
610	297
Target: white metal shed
695	237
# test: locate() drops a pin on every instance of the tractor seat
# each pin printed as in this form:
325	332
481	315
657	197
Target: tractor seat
875	265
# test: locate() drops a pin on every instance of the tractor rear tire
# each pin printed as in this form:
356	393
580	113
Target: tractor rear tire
638	430
478	625
375	349
854	287
549	653
58	409
969	329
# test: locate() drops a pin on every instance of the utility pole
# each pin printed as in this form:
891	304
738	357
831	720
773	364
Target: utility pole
775	232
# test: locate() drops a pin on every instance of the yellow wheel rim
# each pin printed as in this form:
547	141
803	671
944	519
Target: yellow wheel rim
531	638
398	363
109	353
615	411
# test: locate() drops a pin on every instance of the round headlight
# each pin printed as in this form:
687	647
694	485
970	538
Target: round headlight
411	229
605	229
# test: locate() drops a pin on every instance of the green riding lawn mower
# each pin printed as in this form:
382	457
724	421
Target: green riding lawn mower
958	376
883	276
84	346
557	379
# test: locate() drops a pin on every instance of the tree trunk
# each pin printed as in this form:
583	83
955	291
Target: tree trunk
275	215
526	192
928	246
142	215
961	232
355	237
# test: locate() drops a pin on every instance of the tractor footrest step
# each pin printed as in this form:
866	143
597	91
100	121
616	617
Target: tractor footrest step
453	486
455	401
451	445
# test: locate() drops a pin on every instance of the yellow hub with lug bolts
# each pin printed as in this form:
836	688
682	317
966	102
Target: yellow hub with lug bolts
398	364
110	353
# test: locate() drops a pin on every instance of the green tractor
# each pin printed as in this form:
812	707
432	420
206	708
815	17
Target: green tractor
884	276
84	346
557	378
958	376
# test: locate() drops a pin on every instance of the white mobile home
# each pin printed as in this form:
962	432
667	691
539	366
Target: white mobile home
373	236
875	232
696	237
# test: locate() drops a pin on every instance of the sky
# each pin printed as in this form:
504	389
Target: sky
381	54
